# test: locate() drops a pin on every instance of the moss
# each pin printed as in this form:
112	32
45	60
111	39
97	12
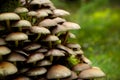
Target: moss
8	5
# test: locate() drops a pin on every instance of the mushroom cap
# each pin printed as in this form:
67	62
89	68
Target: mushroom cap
16	36
71	35
58	29
51	38
59	20
81	67
32	13
22	23
32	46
22	78
15	57
71	25
42	50
45	1
58	71
4	50
41	30
79	52
2	42
41	14
86	60
44	63
7	68
9	16
36	71
21	10
73	46
47	23
35	57
60	12
55	52
91	73
48	11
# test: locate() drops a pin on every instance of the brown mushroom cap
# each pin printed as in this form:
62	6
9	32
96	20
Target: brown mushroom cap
21	10
4	50
35	57
9	16
22	78
91	73
47	23
60	12
37	29
44	63
16	36
36	71
80	67
7	68
58	71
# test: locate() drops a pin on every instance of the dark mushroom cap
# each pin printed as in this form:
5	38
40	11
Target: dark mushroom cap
16	36
7	68
80	67
9	16
36	71
91	73
4	50
58	72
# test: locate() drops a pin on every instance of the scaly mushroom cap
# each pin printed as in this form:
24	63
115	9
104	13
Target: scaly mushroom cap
9	16
60	12
80	67
91	73
7	68
58	71
36	71
71	25
47	23
4	50
16	36
22	23
41	30
21	10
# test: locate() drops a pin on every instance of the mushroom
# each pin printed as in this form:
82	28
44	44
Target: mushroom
7	68
35	57
59	20
39	31
32	15
91	73
22	24
16	36
58	72
4	51
22	78
36	71
81	67
55	52
21	11
73	46
86	60
60	12
44	63
9	17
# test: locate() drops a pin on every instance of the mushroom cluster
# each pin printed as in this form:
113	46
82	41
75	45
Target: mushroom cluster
34	45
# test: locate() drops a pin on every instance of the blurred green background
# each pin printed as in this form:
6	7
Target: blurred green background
99	35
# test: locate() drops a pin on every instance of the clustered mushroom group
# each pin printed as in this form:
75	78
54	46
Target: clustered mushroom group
34	45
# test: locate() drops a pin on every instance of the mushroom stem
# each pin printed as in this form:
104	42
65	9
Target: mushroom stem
8	24
38	37
1	57
33	20
51	58
16	43
66	37
50	44
20	29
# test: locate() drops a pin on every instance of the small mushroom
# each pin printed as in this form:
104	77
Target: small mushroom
59	20
32	15
86	60
58	72
22	78
91	73
7	17
36	71
22	24
4	51
44	63
39	31
35	57
7	68
16	36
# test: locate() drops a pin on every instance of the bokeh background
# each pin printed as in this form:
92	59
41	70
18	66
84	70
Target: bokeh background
99	35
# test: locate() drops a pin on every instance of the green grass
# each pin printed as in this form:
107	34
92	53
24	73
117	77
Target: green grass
99	35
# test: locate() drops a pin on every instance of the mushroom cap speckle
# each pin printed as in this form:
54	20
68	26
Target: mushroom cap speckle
4	50
9	16
7	68
16	36
58	71
91	73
